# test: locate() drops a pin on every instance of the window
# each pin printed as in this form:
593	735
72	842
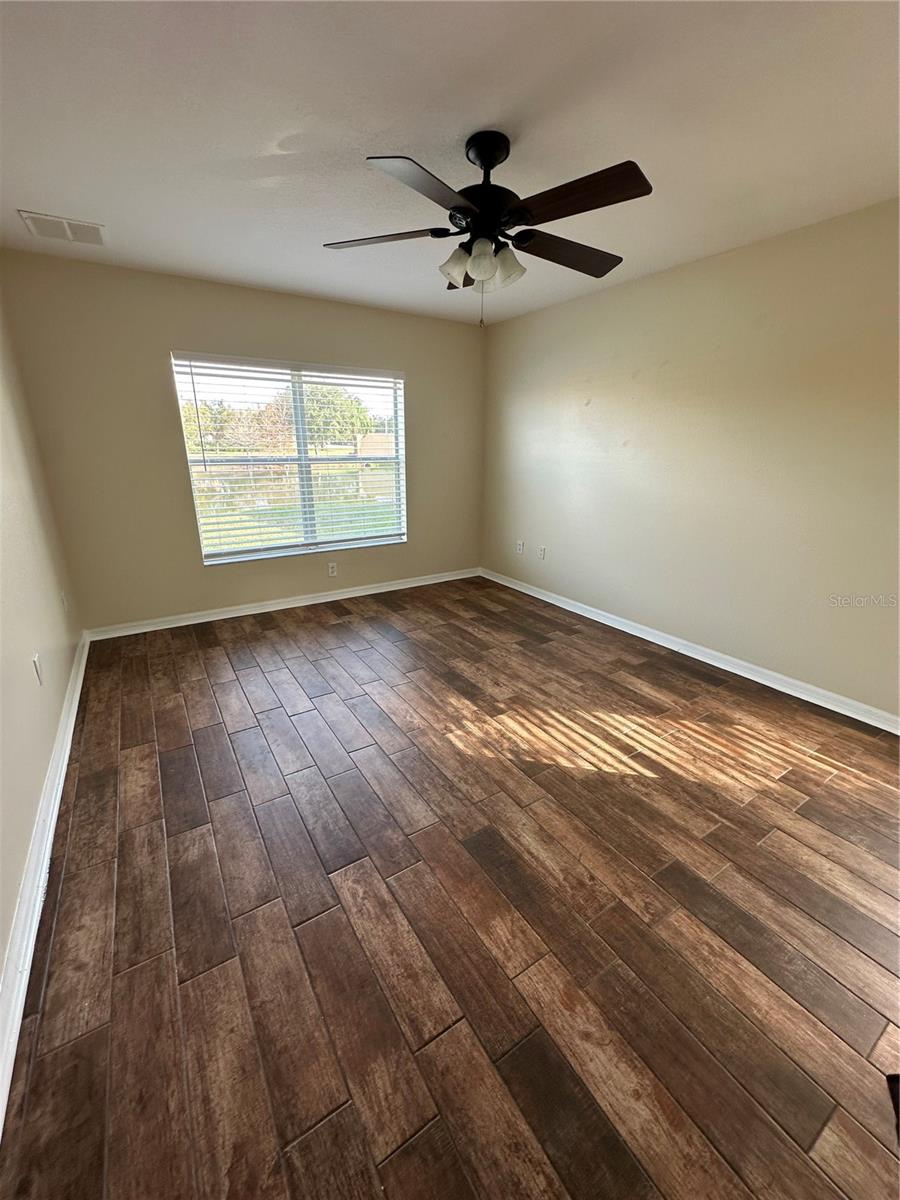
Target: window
287	458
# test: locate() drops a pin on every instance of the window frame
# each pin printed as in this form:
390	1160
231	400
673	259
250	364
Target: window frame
303	461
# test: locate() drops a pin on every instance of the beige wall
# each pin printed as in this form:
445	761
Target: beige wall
32	619
712	451
94	345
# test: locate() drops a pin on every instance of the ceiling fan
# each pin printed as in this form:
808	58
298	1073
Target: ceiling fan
484	213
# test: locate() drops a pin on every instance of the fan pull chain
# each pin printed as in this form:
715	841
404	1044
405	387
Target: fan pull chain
481	318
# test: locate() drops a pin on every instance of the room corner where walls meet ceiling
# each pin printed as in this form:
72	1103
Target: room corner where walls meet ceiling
240	174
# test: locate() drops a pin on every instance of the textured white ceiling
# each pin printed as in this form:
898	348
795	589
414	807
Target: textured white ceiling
228	140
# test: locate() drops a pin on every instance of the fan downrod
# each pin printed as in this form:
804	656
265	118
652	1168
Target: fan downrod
487	149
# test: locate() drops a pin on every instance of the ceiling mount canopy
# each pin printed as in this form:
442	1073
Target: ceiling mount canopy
485	213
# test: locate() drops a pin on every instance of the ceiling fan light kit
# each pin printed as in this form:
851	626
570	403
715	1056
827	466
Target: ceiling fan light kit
509	269
485	213
454	269
482	264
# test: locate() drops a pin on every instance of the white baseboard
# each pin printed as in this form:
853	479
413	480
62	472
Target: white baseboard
243	610
19	951
782	683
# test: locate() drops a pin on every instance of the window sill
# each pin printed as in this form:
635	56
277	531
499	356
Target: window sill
291	551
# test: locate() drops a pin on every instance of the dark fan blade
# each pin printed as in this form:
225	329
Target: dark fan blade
391	237
420	180
568	254
467	282
624	181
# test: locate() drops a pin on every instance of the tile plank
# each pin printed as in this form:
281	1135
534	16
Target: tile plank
504	931
243	860
95	819
493	1139
199	913
581	890
173	729
262	778
236	712
765	1158
382	730
332	1161
200	703
385	842
815	989
284	741
309	678
573	942
12	1139
43	943
332	834
143	926
217	665
854	1083
136	723
589	1154
812	896
402	714
302	882
387	1089
442	797
401	800
304	1080
638	890
685	984
460	768
184	801
236	1144
427	1168
855	1161
218	766
785	1091
79	980
62	1138
337	678
491	1004
256	687
140	798
149	1143
291	695
670	1147
855	970
328	754
417	993
885	1053
342	722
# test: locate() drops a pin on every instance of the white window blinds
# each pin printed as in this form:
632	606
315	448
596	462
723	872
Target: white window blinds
286	458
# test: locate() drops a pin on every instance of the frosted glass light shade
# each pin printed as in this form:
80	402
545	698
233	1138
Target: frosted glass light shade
487	285
455	267
482	264
509	269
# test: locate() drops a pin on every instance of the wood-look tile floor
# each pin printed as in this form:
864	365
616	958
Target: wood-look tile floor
448	893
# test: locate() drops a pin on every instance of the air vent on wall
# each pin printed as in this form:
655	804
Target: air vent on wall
63	229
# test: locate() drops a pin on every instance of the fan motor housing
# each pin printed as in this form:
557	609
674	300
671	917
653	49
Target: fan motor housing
494	206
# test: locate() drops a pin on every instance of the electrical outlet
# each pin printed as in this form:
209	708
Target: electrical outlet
542	551
332	569
520	547
36	663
